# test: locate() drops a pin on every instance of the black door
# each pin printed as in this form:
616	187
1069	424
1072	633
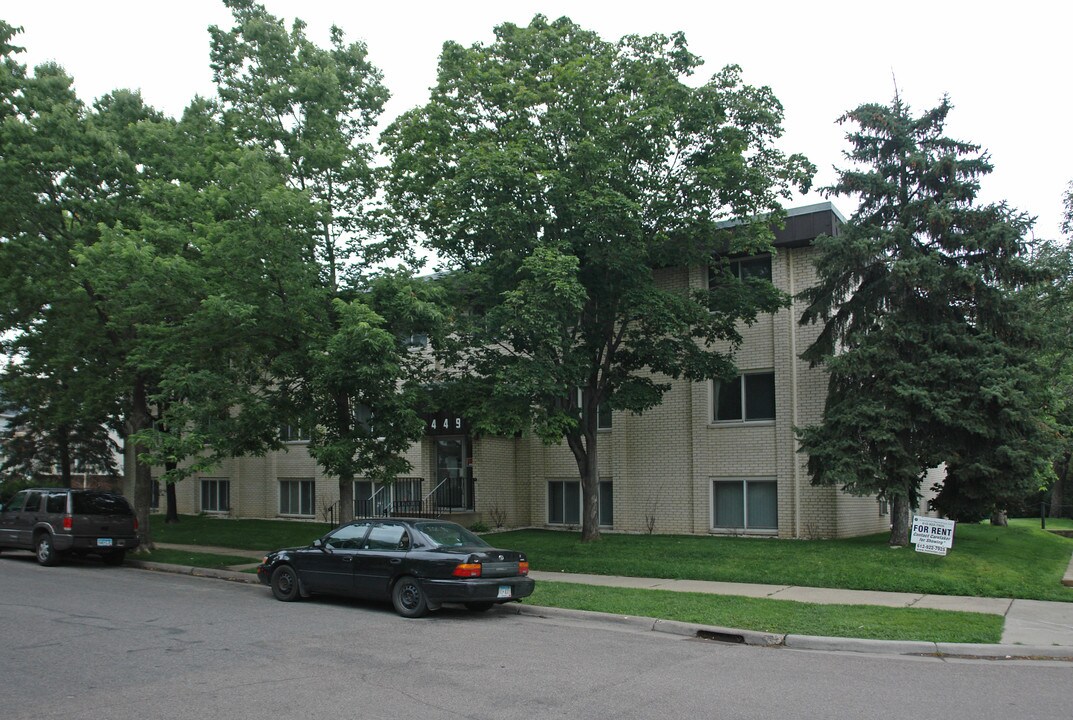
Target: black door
330	568
382	558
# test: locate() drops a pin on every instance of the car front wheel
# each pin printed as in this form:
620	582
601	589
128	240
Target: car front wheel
285	583
46	552
409	598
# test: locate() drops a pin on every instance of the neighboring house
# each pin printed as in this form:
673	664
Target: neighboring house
719	459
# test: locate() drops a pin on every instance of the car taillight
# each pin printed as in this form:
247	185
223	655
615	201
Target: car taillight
135	524
523	567
68	523
467	570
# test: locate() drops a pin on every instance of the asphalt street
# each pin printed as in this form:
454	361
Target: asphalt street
87	641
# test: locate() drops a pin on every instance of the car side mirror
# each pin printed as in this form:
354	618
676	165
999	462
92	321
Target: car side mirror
318	544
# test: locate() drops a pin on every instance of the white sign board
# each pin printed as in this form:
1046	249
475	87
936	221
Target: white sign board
932	535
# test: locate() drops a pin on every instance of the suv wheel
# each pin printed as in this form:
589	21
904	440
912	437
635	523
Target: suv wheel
46	553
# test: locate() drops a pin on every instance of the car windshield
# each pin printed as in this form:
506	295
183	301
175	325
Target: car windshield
91	503
444	534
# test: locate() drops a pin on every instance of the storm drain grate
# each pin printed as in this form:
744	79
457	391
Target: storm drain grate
720	637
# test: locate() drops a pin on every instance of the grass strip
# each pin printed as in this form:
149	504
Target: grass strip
194	559
776	616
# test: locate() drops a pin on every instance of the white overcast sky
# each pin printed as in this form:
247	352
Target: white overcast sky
1005	65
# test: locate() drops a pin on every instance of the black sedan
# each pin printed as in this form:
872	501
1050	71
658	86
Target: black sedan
417	564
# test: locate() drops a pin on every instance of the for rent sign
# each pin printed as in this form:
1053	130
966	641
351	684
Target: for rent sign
932	535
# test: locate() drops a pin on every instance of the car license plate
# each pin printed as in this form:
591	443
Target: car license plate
504	591
104	542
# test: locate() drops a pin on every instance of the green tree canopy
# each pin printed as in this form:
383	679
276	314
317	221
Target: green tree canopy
559	177
339	367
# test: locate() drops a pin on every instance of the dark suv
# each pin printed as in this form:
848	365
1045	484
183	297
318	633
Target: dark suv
55	521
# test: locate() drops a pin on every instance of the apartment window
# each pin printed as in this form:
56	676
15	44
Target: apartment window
746	398
293	433
296	497
745	504
564	503
758	266
215	495
416	340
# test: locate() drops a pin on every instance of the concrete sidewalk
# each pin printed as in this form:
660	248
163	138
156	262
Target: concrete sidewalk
1033	628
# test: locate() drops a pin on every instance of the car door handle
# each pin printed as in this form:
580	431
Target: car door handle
347	559
396	561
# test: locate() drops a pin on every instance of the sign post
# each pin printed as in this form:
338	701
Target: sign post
932	535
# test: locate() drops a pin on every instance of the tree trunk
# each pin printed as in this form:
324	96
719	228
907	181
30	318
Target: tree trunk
1061	471
139	418
65	456
583	445
171	514
899	521
346	498
999	519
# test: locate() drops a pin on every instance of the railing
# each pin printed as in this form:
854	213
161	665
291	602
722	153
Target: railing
451	494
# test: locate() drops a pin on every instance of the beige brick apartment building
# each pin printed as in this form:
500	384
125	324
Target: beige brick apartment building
710	459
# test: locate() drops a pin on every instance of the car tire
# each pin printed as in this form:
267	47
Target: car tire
46	551
408	597
285	584
114	558
479	606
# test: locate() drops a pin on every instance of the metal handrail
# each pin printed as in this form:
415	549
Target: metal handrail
434	490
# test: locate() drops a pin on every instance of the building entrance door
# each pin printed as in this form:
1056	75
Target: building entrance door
453	473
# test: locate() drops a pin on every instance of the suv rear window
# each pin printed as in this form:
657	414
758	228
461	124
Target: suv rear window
100	504
56	502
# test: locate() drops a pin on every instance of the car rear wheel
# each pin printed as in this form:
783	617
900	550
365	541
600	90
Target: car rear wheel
115	557
479	606
46	552
408	598
285	583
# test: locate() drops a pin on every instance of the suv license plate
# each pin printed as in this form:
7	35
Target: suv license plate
104	542
504	591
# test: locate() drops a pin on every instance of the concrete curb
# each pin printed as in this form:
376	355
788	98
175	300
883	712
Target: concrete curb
216	574
803	642
711	632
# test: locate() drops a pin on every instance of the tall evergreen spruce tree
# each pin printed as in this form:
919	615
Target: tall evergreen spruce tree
924	335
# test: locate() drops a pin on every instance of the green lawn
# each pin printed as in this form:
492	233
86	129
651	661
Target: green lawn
1020	561
1052	523
260	535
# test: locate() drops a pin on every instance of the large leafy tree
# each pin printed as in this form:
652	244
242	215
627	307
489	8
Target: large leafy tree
222	233
562	176
925	335
341	369
58	416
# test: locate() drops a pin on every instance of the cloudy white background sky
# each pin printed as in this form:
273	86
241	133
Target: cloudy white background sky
1005	65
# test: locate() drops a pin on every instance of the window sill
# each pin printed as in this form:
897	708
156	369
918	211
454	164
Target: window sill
740	423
